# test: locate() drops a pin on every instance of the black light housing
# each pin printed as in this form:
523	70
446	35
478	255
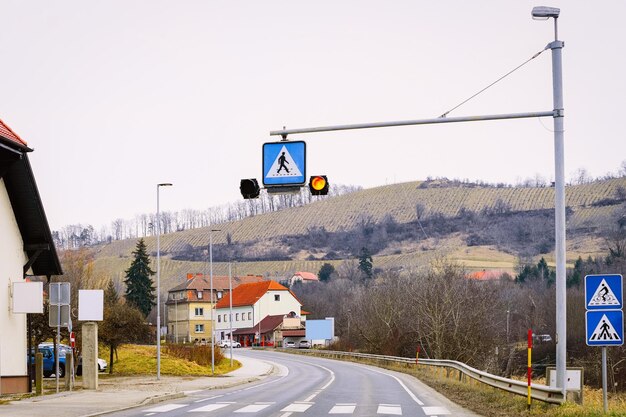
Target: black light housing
249	188
318	185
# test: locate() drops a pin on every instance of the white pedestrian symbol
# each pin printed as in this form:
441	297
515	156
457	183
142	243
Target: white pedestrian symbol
283	166
604	296
605	331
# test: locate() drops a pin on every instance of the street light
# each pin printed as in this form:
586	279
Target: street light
212	305
158	220
230	311
544	13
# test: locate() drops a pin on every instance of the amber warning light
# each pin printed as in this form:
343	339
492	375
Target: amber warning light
318	185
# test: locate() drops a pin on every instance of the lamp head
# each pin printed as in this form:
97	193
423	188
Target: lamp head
545	12
165	184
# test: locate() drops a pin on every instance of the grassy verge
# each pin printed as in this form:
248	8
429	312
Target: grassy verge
141	360
492	402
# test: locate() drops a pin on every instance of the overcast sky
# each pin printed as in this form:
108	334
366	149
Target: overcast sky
117	96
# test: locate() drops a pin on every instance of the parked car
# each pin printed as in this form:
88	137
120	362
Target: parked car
226	343
47	349
102	365
290	344
49	364
304	344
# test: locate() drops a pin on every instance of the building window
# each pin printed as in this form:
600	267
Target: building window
250	316
276	297
219	318
199	311
237	317
220	294
199	295
199	328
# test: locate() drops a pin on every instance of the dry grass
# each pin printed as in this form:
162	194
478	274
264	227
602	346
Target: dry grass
141	360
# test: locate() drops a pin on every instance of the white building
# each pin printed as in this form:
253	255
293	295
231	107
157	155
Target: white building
27	250
251	304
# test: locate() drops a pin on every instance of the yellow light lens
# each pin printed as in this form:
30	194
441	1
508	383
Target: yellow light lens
318	183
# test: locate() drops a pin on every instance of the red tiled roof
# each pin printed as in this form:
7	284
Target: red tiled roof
6	132
294	333
485	275
268	324
248	294
199	282
307	276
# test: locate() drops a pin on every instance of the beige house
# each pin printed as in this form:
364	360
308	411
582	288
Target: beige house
189	306
27	250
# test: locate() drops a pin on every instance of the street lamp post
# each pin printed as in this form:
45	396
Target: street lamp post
158	332
544	13
212	304
230	308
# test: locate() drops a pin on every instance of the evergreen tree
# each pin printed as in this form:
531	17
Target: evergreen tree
365	263
111	296
139	288
326	271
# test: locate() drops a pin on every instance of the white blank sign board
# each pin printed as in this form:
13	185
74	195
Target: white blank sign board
90	305
27	297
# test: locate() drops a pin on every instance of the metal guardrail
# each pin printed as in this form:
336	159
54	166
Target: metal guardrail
538	391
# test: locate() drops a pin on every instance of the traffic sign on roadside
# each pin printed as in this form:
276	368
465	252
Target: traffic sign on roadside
603	292
284	163
605	327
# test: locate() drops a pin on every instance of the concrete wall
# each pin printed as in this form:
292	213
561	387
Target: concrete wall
13	344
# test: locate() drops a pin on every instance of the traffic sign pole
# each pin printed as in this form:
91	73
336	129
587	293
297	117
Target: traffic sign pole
605	400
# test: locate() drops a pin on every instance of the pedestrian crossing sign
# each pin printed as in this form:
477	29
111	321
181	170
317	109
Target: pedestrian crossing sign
603	292
284	163
605	327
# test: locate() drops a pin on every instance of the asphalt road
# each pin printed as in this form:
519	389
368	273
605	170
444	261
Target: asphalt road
307	386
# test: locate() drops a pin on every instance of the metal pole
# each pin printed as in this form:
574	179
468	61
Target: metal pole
605	400
212	306
230	320
158	329
559	213
438	120
176	319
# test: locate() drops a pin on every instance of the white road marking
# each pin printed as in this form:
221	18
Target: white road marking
210	407
342	409
166	408
207	399
297	407
432	411
150	414
392	409
307	399
253	408
285	415
408	391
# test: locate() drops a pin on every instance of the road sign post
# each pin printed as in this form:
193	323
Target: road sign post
604	318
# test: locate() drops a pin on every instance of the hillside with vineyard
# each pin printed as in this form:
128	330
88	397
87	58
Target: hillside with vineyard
403	225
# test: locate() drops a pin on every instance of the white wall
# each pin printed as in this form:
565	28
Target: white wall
266	306
13	345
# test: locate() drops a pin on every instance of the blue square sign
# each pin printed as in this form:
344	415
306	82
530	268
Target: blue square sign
284	163
603	292
605	327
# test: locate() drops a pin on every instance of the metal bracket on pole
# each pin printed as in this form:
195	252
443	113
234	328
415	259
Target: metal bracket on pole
437	120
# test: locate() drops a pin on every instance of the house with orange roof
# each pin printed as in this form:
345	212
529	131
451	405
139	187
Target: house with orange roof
303	277
258	309
190	304
27	250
